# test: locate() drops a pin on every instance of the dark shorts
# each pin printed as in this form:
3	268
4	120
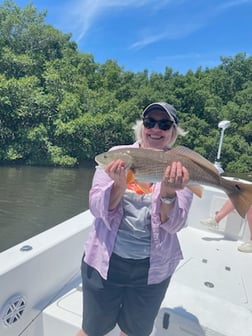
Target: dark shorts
124	298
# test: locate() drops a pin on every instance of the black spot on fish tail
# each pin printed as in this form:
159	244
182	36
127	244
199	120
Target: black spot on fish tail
237	187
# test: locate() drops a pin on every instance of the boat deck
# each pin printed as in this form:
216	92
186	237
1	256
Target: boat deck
210	288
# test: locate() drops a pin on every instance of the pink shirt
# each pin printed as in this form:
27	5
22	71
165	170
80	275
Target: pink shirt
165	249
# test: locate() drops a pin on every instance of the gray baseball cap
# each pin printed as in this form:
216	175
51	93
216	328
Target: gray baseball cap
163	106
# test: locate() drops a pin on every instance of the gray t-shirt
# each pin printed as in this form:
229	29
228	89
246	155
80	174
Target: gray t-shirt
134	235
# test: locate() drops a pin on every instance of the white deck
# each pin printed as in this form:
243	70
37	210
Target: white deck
210	293
210	289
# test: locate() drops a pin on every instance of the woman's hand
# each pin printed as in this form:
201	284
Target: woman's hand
117	172
175	178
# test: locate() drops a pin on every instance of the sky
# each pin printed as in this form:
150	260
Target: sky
154	34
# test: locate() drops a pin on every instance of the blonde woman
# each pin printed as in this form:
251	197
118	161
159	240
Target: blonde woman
133	247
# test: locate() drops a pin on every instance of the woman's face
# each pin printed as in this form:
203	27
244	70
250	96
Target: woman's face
155	137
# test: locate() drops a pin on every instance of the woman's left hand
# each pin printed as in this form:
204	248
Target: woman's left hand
175	178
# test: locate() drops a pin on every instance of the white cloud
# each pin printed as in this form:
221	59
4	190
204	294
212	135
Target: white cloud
172	32
233	3
85	13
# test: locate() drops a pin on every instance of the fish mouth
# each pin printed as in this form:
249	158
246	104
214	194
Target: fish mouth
100	164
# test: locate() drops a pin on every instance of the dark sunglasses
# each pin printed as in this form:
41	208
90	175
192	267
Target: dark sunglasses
163	124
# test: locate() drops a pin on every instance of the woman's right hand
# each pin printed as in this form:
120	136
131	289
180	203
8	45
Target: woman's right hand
117	172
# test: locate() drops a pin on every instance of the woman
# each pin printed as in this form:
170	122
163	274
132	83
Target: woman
133	248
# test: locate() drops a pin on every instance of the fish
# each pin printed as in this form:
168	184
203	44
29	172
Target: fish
148	165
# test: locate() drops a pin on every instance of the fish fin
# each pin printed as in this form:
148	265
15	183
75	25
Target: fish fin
195	157
146	188
137	186
130	176
196	189
242	200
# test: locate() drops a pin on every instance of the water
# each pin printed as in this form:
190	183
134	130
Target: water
33	199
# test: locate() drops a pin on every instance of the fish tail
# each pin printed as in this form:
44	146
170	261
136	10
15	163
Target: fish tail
241	197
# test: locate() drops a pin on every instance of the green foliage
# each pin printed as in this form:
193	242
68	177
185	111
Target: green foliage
58	107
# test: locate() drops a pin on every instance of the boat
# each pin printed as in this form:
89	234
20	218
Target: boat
210	293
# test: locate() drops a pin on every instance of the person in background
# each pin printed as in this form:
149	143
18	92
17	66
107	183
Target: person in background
213	223
133	249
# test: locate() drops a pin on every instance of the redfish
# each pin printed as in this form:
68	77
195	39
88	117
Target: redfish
148	165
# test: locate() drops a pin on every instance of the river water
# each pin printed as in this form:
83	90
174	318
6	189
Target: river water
33	199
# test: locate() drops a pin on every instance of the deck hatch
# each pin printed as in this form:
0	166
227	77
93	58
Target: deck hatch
213	278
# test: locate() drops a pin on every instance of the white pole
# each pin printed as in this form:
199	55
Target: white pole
222	125
220	143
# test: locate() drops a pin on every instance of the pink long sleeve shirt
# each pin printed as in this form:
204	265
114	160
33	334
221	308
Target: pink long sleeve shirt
165	251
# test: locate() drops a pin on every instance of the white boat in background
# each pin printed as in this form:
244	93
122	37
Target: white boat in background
210	293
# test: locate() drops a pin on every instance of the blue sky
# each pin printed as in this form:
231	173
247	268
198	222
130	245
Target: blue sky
153	34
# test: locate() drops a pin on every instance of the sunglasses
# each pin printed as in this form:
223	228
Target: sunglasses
163	124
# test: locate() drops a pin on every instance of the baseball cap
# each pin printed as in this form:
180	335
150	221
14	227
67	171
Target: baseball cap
163	106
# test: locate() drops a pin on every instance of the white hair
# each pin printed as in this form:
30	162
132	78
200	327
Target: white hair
176	131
